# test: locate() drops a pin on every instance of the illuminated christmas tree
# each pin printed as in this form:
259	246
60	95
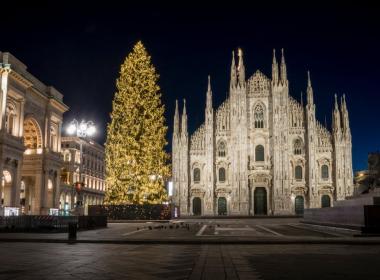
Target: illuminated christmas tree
136	162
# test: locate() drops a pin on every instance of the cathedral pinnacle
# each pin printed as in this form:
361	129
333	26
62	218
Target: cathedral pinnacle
241	68
184	118
284	76
309	91
274	68
209	94
176	118
184	107
233	71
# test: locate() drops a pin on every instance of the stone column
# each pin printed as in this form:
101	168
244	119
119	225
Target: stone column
47	131
44	188
4	72
16	184
59	137
38	191
57	188
21	119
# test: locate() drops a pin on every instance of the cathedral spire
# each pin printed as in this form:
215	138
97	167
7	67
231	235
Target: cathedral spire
336	116
345	118
209	95
284	76
241	68
184	119
310	95
301	98
274	68
233	78
176	118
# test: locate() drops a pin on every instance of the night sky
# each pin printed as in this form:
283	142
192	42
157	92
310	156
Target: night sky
78	48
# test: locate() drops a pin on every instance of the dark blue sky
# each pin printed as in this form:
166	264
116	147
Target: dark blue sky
78	47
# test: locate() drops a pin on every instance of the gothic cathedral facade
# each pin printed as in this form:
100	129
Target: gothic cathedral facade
261	152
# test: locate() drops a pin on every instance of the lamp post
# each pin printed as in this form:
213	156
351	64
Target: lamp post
81	130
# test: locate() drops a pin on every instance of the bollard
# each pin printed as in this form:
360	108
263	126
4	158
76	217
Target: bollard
73	226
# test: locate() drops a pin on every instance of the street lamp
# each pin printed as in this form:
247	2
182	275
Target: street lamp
82	130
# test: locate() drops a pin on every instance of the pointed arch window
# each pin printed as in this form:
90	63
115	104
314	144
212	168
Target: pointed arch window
297	147
259	153
222	174
298	172
258	116
197	175
325	172
222	149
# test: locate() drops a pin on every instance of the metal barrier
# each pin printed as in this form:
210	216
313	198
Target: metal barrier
50	223
132	211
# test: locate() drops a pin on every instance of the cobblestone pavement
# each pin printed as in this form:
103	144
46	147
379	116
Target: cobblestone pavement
112	261
204	229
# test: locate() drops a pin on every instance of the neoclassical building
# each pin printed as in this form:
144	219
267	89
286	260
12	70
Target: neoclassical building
30	139
83	162
261	152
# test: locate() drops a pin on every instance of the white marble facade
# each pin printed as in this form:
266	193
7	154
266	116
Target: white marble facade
261	152
30	139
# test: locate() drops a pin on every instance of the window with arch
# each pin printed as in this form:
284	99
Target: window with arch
222	174
222	149
297	147
325	172
258	116
259	153
298	172
197	175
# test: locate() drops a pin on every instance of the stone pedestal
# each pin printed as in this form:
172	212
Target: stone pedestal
351	213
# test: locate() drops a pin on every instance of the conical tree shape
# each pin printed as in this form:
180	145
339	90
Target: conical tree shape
136	162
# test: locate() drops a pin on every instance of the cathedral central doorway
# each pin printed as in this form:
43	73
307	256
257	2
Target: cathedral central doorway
197	206
222	206
325	201
299	205
260	200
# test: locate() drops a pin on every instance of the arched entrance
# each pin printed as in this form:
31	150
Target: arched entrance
299	205
222	206
325	201
27	195
260	200
197	206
